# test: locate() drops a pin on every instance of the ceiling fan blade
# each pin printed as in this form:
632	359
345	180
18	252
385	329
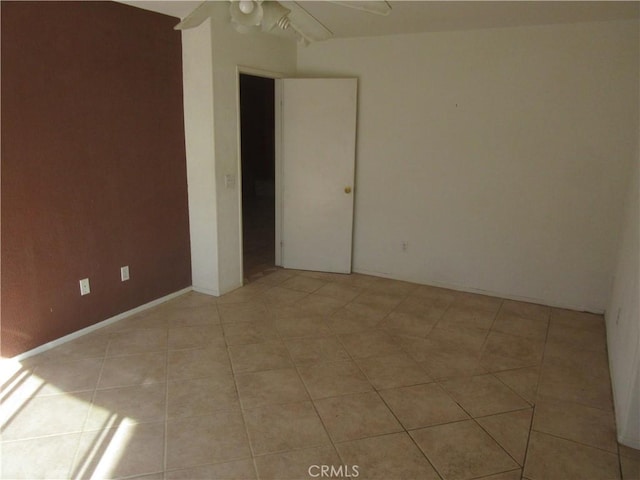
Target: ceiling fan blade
195	18
377	7
305	24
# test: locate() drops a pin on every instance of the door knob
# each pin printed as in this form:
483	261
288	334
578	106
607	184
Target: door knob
347	189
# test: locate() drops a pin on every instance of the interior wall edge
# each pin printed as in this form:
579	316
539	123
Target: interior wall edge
197	77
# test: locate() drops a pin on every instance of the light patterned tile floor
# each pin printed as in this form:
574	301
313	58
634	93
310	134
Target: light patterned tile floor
310	375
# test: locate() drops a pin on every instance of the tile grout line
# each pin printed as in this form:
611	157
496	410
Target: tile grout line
474	419
354	360
380	397
351	359
535	399
86	418
407	432
500	444
200	347
493	374
242	408
311	399
499	413
577	442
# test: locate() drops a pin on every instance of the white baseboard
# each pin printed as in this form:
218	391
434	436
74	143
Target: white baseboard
96	326
461	288
629	441
206	291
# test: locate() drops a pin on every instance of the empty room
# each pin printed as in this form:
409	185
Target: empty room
320	239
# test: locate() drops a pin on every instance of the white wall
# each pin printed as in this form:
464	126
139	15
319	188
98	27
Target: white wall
212	54
230	50
499	155
197	72
623	322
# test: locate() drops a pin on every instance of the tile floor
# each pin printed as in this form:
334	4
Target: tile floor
300	370
258	235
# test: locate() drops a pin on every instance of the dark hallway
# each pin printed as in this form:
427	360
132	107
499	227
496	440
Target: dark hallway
258	175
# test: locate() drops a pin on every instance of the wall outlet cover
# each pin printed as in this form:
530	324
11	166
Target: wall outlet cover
85	288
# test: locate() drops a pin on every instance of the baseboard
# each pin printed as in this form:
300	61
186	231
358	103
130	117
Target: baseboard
96	326
206	291
461	288
631	442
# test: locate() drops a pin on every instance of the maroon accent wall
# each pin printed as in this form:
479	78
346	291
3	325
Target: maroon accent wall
93	166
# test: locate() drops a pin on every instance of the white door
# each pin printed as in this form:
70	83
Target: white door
318	165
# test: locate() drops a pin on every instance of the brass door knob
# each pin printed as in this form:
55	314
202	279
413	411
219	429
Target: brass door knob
347	189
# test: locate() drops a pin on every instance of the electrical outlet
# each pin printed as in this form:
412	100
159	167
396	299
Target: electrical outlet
124	273
405	246
85	289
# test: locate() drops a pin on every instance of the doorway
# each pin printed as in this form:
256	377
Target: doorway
257	147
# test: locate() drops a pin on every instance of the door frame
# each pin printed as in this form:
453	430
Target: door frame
277	98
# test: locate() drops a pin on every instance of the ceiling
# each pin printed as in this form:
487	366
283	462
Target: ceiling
430	16
173	8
